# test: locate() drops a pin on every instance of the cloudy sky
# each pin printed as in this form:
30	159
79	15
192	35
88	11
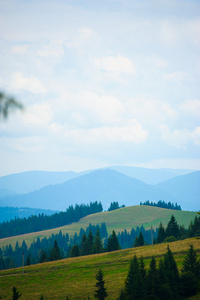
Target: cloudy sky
110	82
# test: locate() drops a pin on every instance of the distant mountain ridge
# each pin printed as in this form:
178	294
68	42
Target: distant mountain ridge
26	182
108	185
185	188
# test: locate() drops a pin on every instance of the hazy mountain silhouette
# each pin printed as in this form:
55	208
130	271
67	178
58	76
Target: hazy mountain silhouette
185	188
104	185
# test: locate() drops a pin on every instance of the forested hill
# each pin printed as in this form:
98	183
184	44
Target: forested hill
42	222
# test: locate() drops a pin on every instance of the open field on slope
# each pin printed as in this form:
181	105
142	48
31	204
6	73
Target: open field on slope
75	277
118	220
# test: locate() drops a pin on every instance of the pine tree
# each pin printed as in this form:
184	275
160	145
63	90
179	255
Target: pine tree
188	284
74	252
55	253
139	241
152	281
84	245
98	246
134	284
165	292
161	233
172	273
142	268
112	243
172	228
90	242
100	293
191	263
16	294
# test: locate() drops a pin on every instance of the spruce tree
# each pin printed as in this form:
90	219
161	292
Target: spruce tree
55	253
172	228
191	263
172	273
100	292
134	284
142	268
139	241
74	252
84	245
188	284
152	281
112	243
97	246
161	233
90	242
165	292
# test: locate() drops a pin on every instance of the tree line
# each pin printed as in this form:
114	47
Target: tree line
160	281
162	204
174	232
43	222
163	280
92	240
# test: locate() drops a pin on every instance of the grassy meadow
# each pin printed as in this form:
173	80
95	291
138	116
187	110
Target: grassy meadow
118	220
75	277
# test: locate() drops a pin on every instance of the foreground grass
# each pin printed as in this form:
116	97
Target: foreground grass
75	277
118	220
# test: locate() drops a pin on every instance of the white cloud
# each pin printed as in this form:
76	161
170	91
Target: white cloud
52	48
20	49
30	144
80	37
87	109
158	61
31	83
180	138
38	115
191	106
175	77
118	64
180	31
131	133
196	136
150	111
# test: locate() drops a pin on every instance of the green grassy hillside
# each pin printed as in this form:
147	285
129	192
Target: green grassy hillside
118	220
75	277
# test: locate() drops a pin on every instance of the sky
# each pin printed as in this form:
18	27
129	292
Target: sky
110	82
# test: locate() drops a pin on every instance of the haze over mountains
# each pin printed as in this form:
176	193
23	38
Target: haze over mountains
58	190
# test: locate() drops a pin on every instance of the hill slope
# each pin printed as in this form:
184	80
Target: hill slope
75	277
185	188
118	220
103	185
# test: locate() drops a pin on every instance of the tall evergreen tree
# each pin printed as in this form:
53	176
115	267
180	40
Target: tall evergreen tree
84	245
172	273
74	252
90	242
139	241
152	281
172	228
112	243
142	268
165	292
191	263
98	246
100	292
55	253
161	233
134	284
